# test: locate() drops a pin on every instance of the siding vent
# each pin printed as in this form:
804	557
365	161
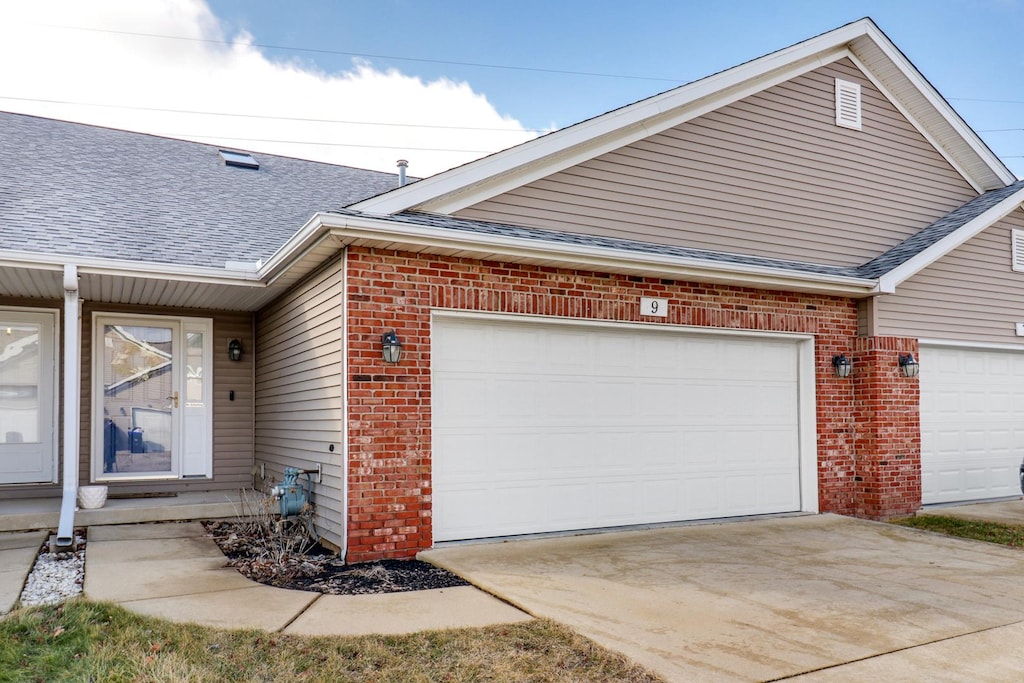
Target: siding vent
239	159
1018	250
847	104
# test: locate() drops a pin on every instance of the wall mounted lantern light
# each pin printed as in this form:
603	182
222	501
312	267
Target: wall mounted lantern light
842	365
235	350
909	365
391	347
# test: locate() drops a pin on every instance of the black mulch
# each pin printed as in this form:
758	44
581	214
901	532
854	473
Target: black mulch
318	569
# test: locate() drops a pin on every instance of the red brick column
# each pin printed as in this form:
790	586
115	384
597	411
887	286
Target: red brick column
887	461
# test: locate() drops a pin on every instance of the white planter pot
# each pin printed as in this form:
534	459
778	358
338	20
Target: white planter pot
92	497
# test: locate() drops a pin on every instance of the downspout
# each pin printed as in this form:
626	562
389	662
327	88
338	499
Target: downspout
344	406
72	406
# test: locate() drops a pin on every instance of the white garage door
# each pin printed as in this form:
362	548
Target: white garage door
972	423
550	427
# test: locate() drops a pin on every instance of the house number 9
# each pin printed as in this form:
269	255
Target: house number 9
655	307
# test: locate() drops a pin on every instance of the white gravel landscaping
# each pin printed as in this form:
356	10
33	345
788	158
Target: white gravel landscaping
56	577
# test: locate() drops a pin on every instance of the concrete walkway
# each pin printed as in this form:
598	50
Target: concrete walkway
772	599
18	552
174	571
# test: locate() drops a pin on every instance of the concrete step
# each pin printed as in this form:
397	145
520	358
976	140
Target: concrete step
44	513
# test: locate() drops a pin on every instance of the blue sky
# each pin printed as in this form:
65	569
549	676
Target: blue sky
969	50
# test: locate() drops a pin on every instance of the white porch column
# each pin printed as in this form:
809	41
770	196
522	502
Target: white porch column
72	405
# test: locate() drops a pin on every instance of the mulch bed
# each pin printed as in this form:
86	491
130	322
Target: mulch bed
318	569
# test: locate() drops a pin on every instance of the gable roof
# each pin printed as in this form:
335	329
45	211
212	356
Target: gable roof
165	222
861	41
75	190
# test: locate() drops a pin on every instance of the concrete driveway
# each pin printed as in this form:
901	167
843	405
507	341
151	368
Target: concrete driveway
1002	511
772	598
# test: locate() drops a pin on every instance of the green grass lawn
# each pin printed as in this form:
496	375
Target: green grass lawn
993	532
88	641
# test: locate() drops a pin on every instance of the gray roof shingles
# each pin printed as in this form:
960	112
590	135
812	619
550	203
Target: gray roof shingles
871	270
945	226
505	230
79	190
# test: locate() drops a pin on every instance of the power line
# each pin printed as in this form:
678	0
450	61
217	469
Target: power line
291	48
327	144
265	116
979	99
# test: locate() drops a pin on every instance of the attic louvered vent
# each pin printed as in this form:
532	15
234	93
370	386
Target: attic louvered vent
1018	249
240	159
847	104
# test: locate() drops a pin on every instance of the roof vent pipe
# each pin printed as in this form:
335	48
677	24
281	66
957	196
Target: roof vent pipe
402	165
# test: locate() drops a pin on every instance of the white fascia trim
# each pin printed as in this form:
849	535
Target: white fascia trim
939	147
592	139
151	271
720	88
936	100
887	283
349	229
308	238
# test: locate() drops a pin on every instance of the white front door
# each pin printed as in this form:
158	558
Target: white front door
28	381
151	397
549	426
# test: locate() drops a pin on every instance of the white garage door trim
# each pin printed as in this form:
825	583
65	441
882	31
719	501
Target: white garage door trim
806	431
948	474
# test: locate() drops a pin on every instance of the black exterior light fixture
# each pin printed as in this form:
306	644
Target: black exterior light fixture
909	365
235	350
842	365
391	347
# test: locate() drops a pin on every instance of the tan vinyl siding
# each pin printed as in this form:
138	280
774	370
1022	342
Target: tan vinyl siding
299	377
866	313
971	294
771	175
232	420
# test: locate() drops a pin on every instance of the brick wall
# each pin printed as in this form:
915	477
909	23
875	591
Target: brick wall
888	429
389	406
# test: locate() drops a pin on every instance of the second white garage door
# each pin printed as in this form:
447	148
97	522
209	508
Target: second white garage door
972	423
548	427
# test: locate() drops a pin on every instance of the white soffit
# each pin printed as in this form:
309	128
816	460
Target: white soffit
922	103
862	40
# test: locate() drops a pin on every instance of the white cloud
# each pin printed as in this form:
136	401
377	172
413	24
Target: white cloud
44	62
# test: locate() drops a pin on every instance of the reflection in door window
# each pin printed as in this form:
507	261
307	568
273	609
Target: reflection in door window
137	398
